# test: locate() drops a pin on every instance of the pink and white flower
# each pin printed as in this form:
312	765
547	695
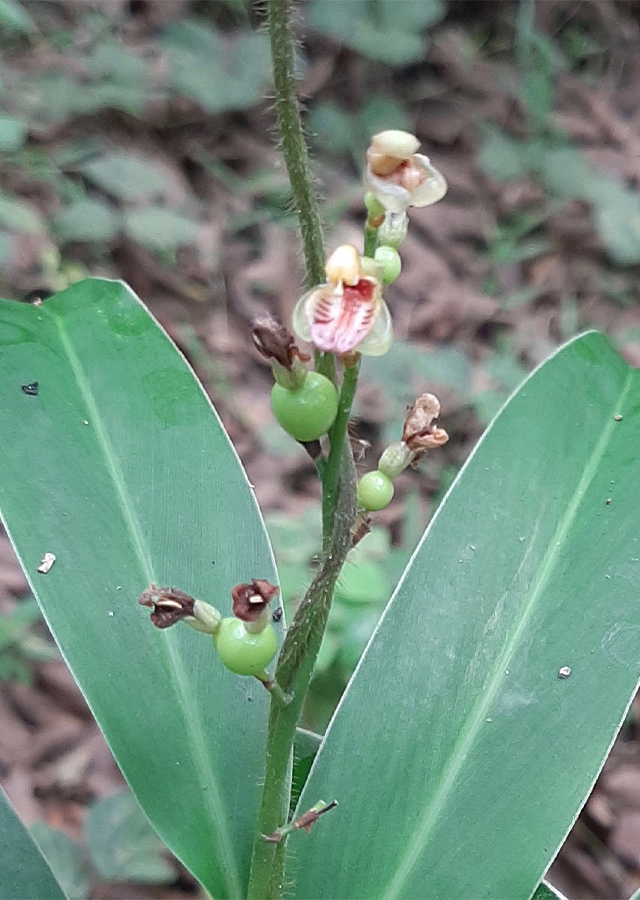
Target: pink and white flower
399	177
346	314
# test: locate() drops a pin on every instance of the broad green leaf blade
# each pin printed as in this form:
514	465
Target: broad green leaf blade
23	870
459	756
305	747
120	467
546	891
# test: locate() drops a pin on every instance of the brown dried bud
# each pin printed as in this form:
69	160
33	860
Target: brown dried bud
251	600
169	605
274	342
419	434
304	822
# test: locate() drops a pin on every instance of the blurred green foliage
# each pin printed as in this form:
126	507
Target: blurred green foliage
389	31
371	571
547	153
118	845
23	642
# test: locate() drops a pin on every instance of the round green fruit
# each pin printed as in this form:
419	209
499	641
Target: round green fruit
375	491
242	651
307	412
390	261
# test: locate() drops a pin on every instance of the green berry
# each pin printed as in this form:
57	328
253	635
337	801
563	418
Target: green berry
309	411
390	261
242	651
375	491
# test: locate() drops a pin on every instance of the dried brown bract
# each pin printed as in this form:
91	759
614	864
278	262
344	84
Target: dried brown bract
419	433
168	605
274	342
250	600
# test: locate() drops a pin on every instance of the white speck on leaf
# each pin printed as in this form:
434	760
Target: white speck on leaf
47	561
564	672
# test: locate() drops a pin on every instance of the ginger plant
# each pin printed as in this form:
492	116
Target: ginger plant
498	676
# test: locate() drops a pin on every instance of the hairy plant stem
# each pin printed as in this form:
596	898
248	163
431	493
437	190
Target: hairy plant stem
332	481
294	146
296	154
302	643
293	674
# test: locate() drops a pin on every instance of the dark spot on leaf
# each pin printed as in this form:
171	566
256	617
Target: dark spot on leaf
31	389
37	296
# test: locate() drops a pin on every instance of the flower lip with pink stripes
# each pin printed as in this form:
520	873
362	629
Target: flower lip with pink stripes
347	313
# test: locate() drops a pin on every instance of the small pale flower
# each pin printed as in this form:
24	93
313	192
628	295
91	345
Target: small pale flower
347	313
399	177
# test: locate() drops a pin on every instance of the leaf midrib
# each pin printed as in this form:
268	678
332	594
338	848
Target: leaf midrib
479	711
195	744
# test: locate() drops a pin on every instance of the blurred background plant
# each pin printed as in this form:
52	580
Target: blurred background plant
136	142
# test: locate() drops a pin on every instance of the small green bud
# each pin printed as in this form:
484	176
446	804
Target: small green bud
206	618
395	459
375	491
389	259
393	230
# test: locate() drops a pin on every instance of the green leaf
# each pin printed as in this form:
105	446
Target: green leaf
567	174
159	228
19	216
217	72
120	467
381	112
24	872
67	860
305	747
546	891
14	18
123	845
110	60
457	727
128	176
388	31
618	222
337	130
87	219
13	133
502	157
331	126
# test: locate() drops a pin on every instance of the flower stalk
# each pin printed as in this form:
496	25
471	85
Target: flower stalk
302	643
294	150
